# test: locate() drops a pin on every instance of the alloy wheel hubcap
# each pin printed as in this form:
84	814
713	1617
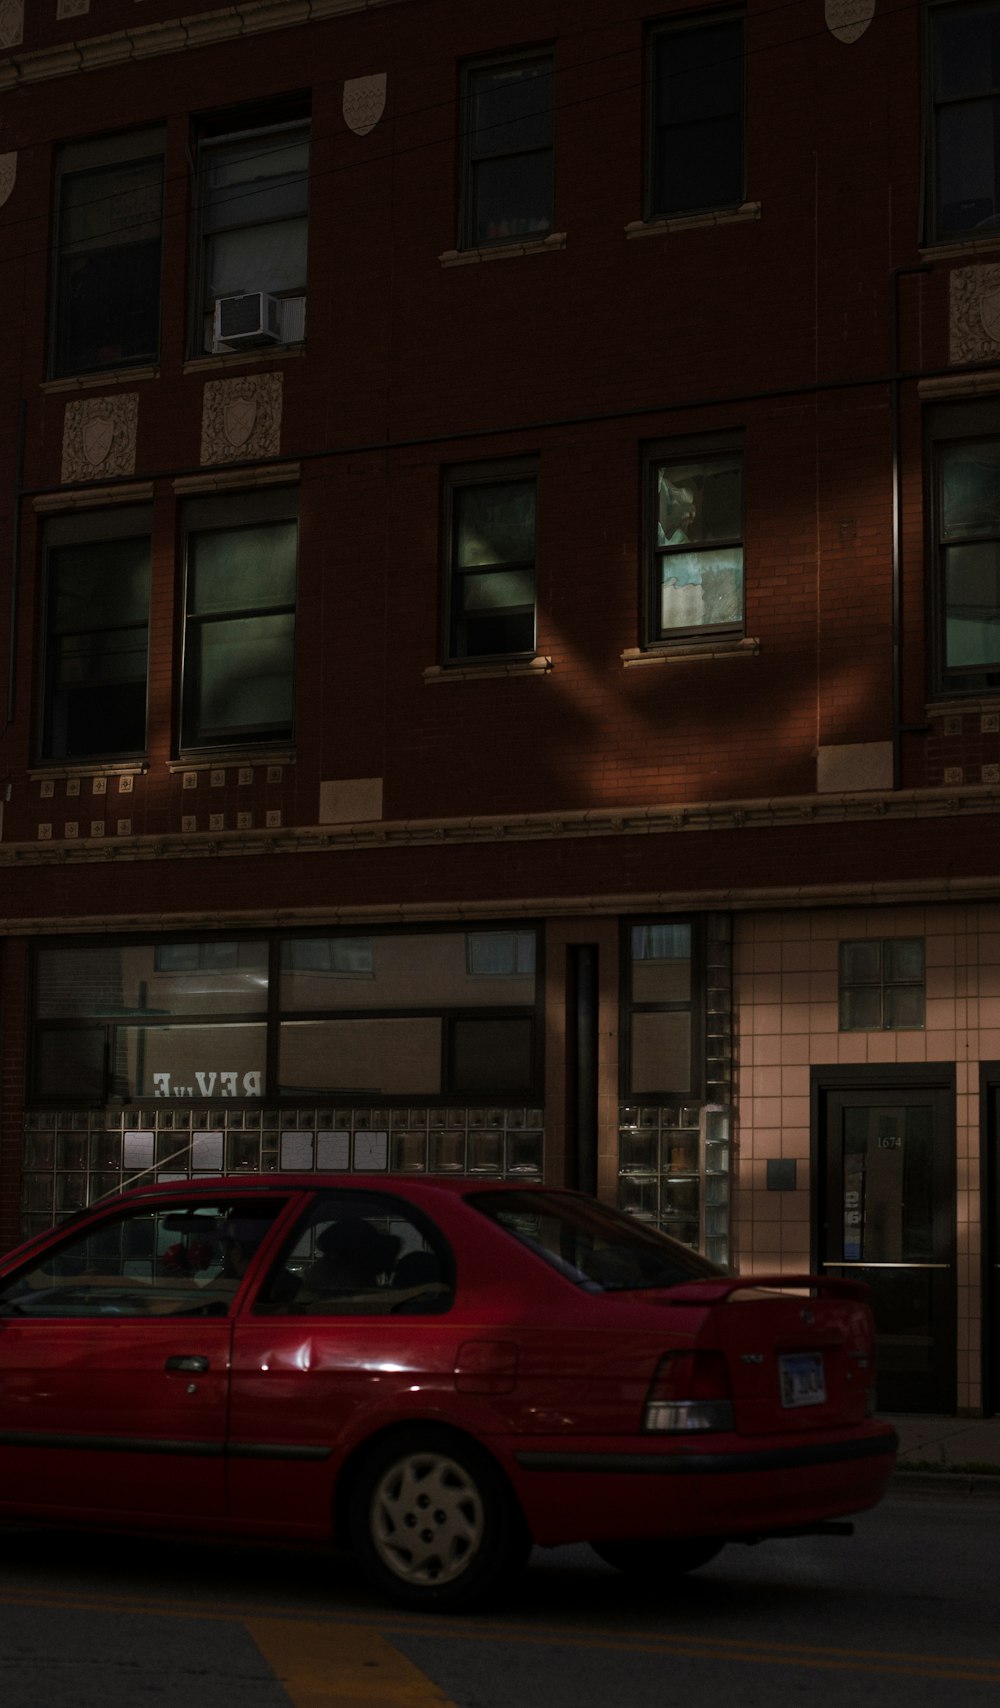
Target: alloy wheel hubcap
427	1519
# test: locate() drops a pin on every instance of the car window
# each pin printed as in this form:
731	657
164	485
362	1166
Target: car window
181	1259
361	1254
597	1248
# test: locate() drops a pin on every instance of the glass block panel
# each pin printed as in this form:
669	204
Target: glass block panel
524	1153
447	1153
861	962
409	1152
860	1010
485	1152
904	1008
904	959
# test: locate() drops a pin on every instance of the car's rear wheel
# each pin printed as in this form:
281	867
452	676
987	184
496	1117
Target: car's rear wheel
432	1521
653	1558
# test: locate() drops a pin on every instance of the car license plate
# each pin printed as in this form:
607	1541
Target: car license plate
803	1382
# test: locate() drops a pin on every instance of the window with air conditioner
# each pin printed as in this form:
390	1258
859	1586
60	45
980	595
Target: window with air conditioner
252	229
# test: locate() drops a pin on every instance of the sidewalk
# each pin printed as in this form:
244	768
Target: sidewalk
948	1454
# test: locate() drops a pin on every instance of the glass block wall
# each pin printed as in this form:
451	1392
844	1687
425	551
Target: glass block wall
674	1156
73	1158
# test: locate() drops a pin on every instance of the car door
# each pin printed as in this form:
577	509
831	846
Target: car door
352	1318
114	1364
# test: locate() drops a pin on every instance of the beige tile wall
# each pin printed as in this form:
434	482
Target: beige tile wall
785	993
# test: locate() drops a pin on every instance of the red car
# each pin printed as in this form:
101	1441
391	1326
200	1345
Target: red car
437	1374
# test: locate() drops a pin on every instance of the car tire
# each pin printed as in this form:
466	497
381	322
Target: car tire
652	1558
433	1522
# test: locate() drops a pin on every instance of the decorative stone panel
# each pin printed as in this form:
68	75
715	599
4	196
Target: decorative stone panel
848	19
364	102
8	173
99	435
974	322
241	419
11	23
72	8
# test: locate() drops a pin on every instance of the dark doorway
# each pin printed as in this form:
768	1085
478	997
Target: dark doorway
886	1216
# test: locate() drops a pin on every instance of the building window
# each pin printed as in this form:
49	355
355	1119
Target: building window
694	568
882	985
965	511
695	116
490	568
507	176
390	1015
96	634
239	633
252	235
661	1009
430	1019
109	201
964	122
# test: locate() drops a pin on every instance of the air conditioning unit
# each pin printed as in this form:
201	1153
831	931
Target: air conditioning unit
247	320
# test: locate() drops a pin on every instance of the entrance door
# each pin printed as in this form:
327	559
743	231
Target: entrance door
887	1217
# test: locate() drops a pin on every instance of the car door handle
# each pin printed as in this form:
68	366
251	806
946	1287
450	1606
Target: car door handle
192	1363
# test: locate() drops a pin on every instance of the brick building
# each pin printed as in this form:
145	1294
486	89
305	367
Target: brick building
530	719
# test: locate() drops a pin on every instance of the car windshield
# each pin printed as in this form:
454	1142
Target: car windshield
599	1249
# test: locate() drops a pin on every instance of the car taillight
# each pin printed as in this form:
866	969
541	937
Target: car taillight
689	1391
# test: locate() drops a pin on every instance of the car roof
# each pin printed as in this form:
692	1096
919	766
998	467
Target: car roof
210	1185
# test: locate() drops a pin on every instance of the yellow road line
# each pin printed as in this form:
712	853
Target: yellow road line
372	1632
324	1666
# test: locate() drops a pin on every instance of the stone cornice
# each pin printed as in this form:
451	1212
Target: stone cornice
781	812
151	41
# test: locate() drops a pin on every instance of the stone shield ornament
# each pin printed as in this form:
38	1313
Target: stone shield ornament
8	173
364	102
848	19
238	420
97	438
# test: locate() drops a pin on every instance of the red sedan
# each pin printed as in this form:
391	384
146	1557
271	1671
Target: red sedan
437	1374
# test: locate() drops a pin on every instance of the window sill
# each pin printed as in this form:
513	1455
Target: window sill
954	249
58	768
243	358
537	666
968	383
693	222
503	251
229	757
107	376
954	706
742	648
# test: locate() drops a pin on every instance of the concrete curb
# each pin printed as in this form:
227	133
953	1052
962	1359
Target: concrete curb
945	1483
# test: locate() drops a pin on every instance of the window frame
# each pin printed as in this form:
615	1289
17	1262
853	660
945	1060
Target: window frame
468	205
946	427
231	513
694	1006
124	149
290	115
121	524
932	235
656	456
884	986
463	477
657	32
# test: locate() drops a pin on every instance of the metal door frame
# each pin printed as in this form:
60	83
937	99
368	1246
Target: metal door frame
886	1078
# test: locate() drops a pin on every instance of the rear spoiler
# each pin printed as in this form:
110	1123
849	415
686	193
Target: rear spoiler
717	1292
